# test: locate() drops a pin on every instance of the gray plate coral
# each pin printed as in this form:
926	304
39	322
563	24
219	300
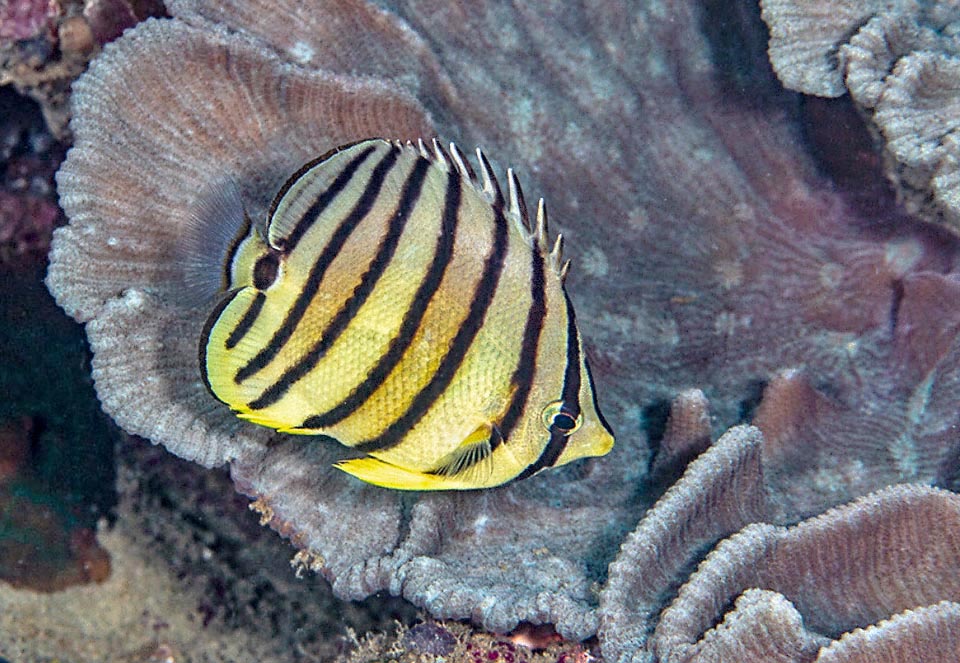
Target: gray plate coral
898	61
708	251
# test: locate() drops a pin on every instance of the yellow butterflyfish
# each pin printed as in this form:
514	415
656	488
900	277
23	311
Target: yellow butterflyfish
401	304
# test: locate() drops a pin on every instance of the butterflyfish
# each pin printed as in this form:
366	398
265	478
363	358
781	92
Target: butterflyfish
398	302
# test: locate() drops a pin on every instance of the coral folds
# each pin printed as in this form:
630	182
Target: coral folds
715	255
898	62
886	553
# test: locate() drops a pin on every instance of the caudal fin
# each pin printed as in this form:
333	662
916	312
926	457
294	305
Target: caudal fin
205	249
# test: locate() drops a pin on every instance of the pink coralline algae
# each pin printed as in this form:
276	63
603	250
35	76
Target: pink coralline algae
23	19
26	223
456	643
430	638
46	44
713	248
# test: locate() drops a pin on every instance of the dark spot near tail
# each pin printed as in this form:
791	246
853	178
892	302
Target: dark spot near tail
265	271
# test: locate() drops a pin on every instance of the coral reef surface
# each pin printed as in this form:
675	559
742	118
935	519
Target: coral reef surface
193	578
46	44
722	239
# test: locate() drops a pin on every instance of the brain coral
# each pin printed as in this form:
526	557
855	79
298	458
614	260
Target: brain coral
710	250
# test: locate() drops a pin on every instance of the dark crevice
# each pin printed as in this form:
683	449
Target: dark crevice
896	299
751	401
738	38
654	424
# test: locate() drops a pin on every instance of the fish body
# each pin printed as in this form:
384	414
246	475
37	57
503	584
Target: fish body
405	307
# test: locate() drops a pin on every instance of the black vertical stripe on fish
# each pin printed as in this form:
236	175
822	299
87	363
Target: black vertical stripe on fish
246	322
378	265
479	304
593	394
231	252
312	285
208	326
570	396
412	318
291	240
302	170
525	372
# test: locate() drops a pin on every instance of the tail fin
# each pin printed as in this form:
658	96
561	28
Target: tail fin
207	245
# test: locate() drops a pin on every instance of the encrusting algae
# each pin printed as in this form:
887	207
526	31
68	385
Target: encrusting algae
401	305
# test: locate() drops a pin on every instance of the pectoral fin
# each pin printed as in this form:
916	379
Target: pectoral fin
472	454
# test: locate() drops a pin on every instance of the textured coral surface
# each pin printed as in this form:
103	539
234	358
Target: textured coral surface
721	239
897	59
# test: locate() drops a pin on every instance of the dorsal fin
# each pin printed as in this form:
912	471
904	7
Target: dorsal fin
488	184
517	208
483	181
513	206
463	166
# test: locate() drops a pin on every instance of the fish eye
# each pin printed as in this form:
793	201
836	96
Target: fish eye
557	418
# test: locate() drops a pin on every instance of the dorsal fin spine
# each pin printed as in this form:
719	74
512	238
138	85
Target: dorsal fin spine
462	165
490	185
540	227
422	148
517	208
513	206
440	157
556	258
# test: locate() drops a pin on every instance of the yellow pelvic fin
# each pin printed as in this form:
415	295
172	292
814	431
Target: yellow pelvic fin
385	475
255	417
466	467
